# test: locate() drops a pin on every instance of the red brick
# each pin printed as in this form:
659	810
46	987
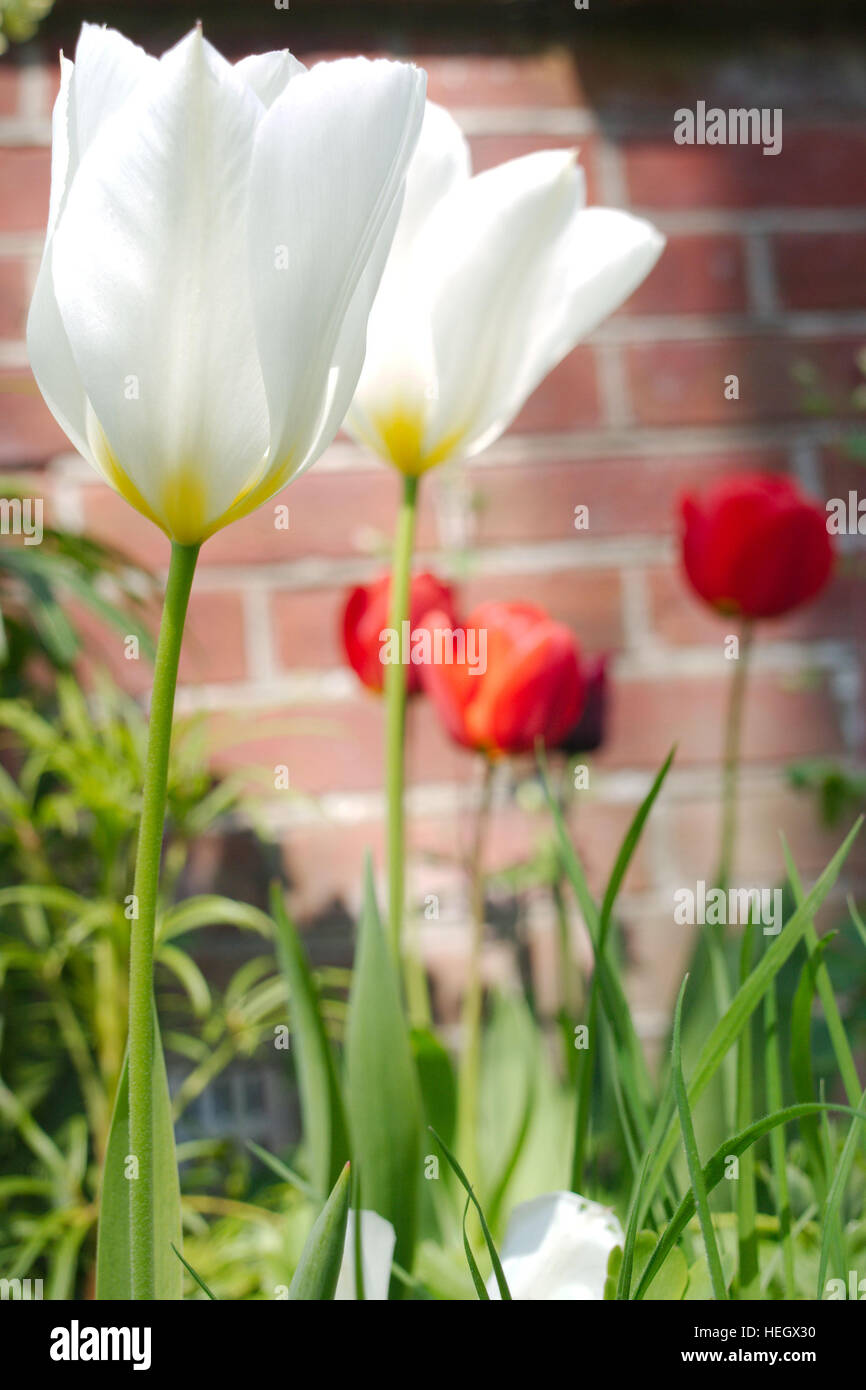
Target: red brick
784	719
30	433
213	646
550	79
24	180
213	643
9	86
329	747
682	383
489	150
567	399
306	628
589	601
679	617
695	275
109	517
625	496
330	514
764	814
15	289
816	168
821	270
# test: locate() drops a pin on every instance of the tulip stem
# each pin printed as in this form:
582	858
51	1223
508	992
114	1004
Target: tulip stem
468	1087
146	887
396	683
730	787
731	769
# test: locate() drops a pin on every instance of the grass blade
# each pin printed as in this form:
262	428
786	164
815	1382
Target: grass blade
495	1261
197	1277
382	1093
696	1173
283	1171
113	1265
324	1121
714	1171
835	1026
833	1205
748	1270
749	995
315	1279
778	1157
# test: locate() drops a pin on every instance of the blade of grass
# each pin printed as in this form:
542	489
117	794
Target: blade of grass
324	1120
637	1206
197	1277
382	1092
801	1066
748	1270
495	1261
283	1171
778	1155
315	1279
749	995
696	1172
714	1171
835	1026
833	1205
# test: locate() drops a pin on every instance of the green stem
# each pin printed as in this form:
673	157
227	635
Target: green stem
469	1078
731	769
396	680
730	786
146	887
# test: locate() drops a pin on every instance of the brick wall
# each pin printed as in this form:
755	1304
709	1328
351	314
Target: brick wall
765	268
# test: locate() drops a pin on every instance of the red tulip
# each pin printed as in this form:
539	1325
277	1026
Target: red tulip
587	733
528	686
367	614
755	545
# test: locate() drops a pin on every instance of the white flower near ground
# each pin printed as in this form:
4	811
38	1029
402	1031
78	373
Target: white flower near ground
557	1247
378	1239
216	237
491	281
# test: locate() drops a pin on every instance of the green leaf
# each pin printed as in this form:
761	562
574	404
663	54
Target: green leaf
382	1097
197	1277
713	1173
672	1281
437	1080
833	1205
498	1272
318	1269
283	1171
801	1063
778	1157
325	1130
749	995
835	1026
696	1173
112	1251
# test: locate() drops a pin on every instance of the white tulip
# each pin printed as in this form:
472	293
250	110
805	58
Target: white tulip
378	1239
491	281
216	237
556	1247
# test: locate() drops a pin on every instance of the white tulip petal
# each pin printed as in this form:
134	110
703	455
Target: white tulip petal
48	347
378	1239
599	259
329	161
488	248
269	74
108	68
152	284
399	378
557	1247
